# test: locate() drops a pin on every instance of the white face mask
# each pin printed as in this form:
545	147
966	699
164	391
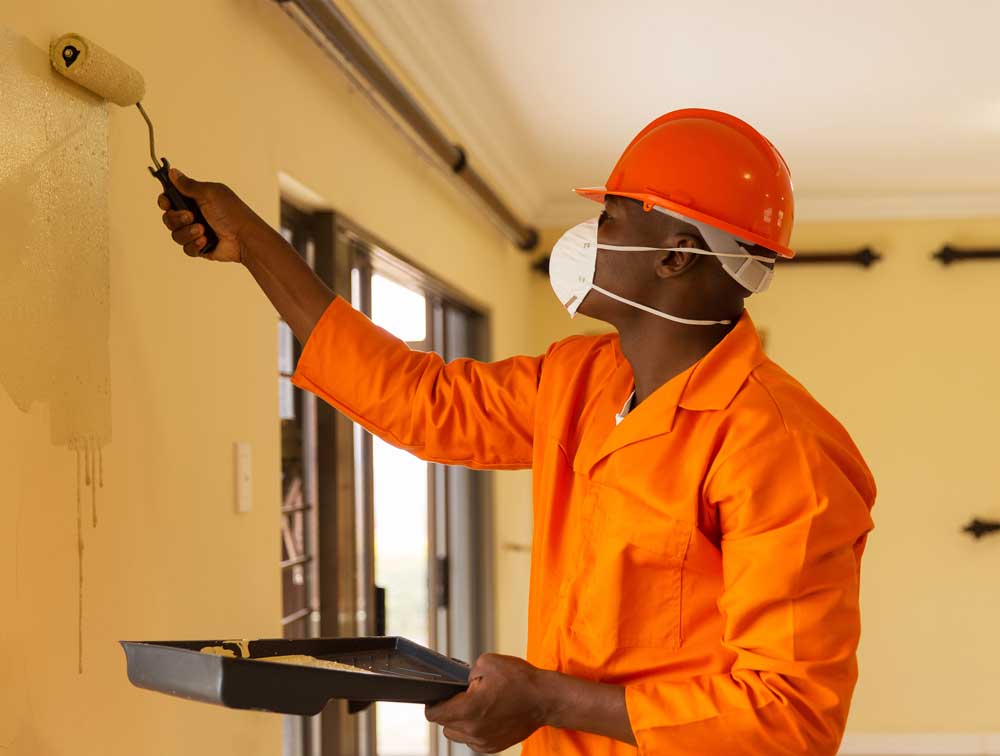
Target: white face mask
574	261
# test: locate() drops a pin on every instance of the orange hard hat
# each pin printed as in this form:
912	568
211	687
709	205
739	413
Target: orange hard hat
713	168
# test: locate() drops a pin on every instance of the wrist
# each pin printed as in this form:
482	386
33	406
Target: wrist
255	240
548	698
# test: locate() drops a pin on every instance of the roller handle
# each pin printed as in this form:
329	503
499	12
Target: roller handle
180	201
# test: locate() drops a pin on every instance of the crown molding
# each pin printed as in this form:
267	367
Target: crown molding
450	79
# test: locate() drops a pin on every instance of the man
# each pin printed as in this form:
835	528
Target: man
699	518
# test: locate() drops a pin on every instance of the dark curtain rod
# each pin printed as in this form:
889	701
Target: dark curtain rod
865	257
978	528
341	34
948	254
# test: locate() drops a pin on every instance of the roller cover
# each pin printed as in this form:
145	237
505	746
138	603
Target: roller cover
93	67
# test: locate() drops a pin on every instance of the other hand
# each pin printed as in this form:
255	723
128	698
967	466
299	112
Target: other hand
505	703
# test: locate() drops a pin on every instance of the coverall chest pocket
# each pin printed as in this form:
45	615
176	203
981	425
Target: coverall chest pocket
630	584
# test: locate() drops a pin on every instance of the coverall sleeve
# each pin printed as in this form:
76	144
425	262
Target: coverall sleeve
470	413
794	514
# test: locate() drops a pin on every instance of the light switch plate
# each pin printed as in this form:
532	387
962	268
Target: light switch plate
244	501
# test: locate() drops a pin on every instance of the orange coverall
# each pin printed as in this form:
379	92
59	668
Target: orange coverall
704	554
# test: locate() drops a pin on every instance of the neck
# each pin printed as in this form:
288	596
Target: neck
659	350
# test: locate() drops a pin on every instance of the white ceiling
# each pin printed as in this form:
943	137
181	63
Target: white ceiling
881	108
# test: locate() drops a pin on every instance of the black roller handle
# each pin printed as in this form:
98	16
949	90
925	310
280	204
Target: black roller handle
180	201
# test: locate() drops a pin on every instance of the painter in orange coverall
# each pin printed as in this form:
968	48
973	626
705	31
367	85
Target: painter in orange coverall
699	518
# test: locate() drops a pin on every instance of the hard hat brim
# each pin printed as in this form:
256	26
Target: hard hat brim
598	193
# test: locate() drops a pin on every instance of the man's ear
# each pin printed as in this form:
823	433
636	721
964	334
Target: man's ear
671	264
674	263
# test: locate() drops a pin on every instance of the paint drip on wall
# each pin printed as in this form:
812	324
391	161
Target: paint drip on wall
54	267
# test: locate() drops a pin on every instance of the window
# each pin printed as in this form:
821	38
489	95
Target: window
429	544
374	540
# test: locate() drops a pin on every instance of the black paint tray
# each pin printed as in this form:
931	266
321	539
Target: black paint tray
404	671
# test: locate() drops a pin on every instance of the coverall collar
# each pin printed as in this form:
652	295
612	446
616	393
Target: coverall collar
719	374
709	384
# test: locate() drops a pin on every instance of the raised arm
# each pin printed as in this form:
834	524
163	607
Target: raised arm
465	412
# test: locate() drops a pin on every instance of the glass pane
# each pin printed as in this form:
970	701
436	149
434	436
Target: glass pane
401	531
401	564
398	310
286	398
401	561
286	348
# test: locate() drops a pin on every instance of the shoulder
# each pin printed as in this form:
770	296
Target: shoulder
578	365
784	458
776	395
581	349
774	416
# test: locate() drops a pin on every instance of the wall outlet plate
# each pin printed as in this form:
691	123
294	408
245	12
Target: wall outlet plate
244	477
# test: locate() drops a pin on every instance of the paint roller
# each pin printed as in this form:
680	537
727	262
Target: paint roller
94	68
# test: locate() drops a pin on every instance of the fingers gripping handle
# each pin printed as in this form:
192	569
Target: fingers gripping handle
182	202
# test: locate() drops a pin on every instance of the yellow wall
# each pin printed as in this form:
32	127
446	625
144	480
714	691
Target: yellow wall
903	354
237	93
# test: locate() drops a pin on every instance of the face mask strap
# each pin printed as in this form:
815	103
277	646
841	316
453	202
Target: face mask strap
571	282
738	274
651	311
725	245
692	250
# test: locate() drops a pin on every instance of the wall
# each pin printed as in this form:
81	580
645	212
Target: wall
237	93
903	354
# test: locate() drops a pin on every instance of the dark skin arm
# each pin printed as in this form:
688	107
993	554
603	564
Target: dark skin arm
296	292
508	699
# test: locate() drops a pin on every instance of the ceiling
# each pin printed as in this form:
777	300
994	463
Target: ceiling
882	108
